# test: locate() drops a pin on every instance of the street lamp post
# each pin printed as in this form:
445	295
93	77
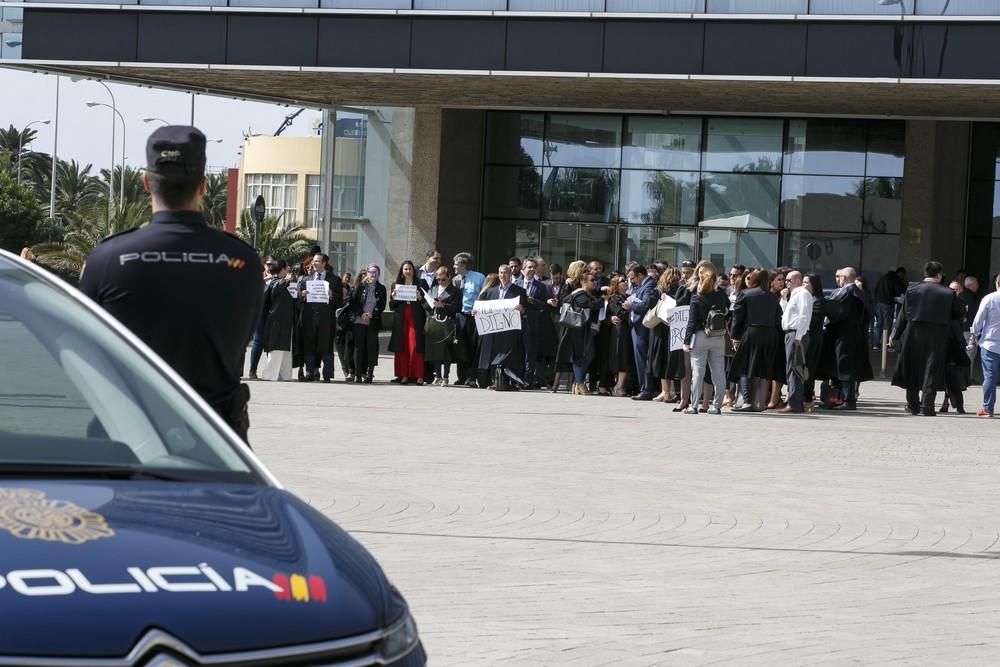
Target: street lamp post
111	178
114	131
55	157
150	119
20	145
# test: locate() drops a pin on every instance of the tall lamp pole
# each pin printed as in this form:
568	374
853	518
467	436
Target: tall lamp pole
114	131
20	145
55	158
111	179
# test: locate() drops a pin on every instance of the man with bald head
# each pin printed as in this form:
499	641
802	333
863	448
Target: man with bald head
844	360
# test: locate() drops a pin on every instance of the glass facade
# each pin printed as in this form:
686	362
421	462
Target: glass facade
783	7
982	246
814	193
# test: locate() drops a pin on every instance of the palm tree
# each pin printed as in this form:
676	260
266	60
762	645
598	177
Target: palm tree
134	192
213	204
75	189
271	239
92	226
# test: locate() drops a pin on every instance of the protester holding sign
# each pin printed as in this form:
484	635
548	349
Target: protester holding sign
278	334
367	304
407	341
620	351
442	304
664	365
501	353
320	294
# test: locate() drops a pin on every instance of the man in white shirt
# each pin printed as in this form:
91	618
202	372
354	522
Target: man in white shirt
986	332
795	323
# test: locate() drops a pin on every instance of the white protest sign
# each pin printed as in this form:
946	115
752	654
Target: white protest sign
317	291
293	289
678	325
497	315
406	292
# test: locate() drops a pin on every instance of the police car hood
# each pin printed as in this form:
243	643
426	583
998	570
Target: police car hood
89	567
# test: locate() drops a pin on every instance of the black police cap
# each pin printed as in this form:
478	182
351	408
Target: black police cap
176	149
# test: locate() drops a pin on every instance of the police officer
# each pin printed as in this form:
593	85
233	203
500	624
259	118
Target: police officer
190	292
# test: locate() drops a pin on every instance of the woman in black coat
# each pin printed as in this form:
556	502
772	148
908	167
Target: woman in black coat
757	338
439	345
576	346
666	366
367	303
620	357
343	340
407	340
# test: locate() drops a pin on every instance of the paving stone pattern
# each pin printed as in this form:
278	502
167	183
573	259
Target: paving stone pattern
532	529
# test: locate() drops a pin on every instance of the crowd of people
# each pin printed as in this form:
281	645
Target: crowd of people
750	339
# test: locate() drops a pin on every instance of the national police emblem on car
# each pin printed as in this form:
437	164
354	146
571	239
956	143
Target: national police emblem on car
29	515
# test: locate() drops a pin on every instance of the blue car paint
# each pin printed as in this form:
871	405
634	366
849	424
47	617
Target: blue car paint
158	524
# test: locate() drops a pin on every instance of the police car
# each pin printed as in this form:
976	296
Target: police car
136	529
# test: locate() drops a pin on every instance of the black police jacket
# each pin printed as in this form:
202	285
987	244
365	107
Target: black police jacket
190	292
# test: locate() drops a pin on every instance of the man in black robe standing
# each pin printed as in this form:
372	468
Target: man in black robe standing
319	321
503	352
925	327
845	342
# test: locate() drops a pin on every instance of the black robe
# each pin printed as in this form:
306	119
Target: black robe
572	341
505	348
417	314
280	324
318	321
674	368
443	352
928	328
620	356
757	325
845	342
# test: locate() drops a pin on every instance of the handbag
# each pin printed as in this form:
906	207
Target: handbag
440	329
657	315
572	318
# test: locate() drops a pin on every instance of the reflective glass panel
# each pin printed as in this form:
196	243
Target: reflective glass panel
825	147
986	151
832	252
573	140
474	5
959	7
744	144
741	201
512	192
559	243
718	246
758	248
883	205
502	239
366	4
892	7
886	147
10	45
659	197
823	203
587	195
656	5
653	142
514	138
597	242
758	6
556	5
879	253
650	244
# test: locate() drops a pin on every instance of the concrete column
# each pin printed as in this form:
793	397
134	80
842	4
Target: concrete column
460	182
935	187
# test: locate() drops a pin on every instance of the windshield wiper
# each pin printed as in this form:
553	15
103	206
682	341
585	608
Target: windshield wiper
40	469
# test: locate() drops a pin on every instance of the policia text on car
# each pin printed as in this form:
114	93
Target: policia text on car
192	293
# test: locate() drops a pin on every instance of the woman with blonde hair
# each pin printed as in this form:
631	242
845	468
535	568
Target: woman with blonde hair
660	356
491	280
705	337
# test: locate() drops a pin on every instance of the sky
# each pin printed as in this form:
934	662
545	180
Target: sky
85	132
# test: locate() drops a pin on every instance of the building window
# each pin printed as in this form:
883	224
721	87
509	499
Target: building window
279	192
312	201
758	191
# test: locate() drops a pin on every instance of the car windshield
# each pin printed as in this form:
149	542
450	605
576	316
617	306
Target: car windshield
77	398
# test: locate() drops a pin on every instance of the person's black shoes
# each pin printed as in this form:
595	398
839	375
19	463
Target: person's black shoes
642	397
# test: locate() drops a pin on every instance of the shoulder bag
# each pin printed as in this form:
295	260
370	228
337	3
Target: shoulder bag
571	317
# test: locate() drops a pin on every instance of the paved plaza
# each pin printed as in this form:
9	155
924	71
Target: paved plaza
532	529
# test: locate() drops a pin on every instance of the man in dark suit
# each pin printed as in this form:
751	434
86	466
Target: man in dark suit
643	298
924	326
319	321
845	362
536	311
502	351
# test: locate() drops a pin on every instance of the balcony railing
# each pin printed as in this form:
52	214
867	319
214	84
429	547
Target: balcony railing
774	7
